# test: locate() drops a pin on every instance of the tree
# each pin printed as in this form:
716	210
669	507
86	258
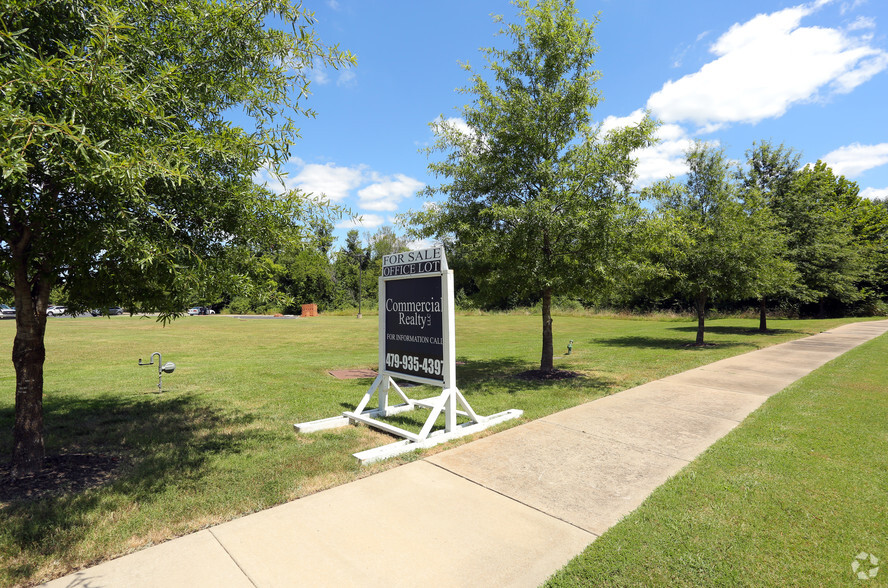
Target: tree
349	271
122	182
767	179
719	245
869	226
535	193
385	242
815	214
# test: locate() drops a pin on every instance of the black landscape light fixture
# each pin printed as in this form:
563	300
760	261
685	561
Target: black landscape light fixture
162	368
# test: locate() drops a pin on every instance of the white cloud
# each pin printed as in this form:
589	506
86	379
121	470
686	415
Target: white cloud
328	180
455	123
280	185
666	158
366	221
849	6
662	161
387	193
318	73
357	186
333	181
766	65
852	160
615	122
347	78
873	193
420	244
862	23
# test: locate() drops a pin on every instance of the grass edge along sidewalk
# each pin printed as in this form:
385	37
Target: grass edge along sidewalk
795	495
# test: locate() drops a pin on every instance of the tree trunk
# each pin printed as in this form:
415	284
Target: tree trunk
700	305
763	315
28	356
546	361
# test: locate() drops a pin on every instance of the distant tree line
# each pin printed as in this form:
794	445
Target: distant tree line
314	272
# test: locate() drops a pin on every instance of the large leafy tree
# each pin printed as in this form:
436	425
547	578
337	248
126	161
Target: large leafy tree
869	223
767	179
534	192
816	214
122	182
722	242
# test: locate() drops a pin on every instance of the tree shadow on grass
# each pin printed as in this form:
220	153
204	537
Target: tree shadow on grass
480	377
159	441
725	330
670	343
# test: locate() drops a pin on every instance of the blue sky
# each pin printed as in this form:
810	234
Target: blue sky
813	76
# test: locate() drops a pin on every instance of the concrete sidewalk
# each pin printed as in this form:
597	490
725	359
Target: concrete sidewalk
506	510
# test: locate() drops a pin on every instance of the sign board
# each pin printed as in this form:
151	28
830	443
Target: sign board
415	315
417	342
412	263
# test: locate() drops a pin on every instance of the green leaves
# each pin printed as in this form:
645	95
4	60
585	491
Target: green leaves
118	165
532	193
719	242
536	202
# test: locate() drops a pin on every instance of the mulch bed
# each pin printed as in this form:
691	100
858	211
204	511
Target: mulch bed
540	375
61	474
352	374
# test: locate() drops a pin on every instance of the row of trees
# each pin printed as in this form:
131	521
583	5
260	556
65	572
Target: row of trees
769	231
312	272
538	202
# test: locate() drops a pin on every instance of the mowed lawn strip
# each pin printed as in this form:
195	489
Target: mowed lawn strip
791	497
219	443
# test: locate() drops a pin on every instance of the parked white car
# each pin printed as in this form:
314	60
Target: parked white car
56	310
7	311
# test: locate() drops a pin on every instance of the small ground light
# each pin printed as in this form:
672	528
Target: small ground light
162	368
570	346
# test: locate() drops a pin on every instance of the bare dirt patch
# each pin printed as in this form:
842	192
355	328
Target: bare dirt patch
546	376
61	474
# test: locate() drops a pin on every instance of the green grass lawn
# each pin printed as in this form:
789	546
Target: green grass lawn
219	441
789	498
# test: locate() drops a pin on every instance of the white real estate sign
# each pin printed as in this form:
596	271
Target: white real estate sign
417	343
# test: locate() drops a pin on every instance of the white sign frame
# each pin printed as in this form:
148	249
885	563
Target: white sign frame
451	402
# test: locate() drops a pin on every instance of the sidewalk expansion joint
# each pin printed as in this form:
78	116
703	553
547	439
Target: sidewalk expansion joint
233	559
513	499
